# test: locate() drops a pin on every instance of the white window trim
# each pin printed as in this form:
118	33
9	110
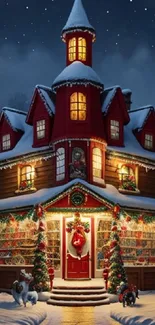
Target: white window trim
40	129
6	142
60	164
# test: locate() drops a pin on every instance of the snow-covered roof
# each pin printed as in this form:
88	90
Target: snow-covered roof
78	19
139	116
15	118
110	193
46	95
126	91
77	73
108	96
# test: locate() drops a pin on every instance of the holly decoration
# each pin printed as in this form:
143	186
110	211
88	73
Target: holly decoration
40	269
128	218
116	267
73	225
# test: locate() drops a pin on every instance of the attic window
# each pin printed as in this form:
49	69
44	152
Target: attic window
82	49
114	129
148	142
41	129
72	49
78	107
6	142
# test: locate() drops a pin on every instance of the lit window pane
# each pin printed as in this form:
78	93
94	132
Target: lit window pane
72	49
97	162
78	106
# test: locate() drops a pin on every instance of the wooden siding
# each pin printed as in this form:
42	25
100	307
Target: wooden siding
44	178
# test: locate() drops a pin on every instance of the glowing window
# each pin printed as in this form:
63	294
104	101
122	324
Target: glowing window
97	162
78	106
127	178
148	142
26	177
114	129
82	49
72	49
41	129
6	142
60	164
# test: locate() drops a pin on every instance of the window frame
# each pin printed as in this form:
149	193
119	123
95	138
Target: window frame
130	179
41	129
114	129
78	107
60	164
25	183
97	171
147	141
77	49
6	143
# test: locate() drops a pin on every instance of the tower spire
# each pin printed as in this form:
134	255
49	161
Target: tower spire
78	20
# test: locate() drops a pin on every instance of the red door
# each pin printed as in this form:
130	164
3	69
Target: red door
77	267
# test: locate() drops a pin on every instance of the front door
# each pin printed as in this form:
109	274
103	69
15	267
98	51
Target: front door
78	248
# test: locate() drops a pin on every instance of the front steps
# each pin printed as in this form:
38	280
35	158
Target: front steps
78	296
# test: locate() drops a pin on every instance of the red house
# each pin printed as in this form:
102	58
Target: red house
77	152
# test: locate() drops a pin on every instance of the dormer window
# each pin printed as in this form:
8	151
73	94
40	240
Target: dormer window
78	107
114	130
81	49
6	142
77	49
148	141
40	129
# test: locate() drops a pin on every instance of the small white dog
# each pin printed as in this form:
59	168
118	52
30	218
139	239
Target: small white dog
20	289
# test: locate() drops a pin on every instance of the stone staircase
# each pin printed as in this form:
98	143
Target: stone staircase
78	296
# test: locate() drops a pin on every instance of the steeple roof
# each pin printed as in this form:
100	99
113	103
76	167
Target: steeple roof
78	20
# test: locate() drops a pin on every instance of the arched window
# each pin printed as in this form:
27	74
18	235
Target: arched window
26	177
82	49
78	164
78	106
60	164
72	49
97	163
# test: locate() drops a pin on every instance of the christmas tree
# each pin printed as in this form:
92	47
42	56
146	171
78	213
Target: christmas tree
117	272
40	269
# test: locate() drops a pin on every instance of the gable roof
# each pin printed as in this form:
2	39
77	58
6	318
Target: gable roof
77	19
77	73
108	95
139	116
110	193
15	118
47	96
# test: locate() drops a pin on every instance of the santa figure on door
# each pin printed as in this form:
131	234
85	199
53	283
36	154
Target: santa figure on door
79	240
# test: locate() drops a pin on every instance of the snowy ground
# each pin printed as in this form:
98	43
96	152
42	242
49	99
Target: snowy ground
142	313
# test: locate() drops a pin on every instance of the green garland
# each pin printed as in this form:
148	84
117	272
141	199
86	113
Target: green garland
147	218
17	217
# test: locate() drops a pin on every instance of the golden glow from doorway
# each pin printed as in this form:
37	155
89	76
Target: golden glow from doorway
78	107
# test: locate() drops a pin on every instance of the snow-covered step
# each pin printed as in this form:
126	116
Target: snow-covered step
78	297
78	291
74	303
78	288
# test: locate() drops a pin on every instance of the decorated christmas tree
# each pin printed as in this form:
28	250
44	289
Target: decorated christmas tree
40	269
117	272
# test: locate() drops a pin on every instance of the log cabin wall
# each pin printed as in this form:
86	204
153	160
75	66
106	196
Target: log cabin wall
44	178
146	182
146	178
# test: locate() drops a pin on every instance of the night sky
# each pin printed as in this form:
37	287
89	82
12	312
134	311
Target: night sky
31	50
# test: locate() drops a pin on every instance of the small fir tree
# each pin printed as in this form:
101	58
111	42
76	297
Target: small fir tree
40	269
117	272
